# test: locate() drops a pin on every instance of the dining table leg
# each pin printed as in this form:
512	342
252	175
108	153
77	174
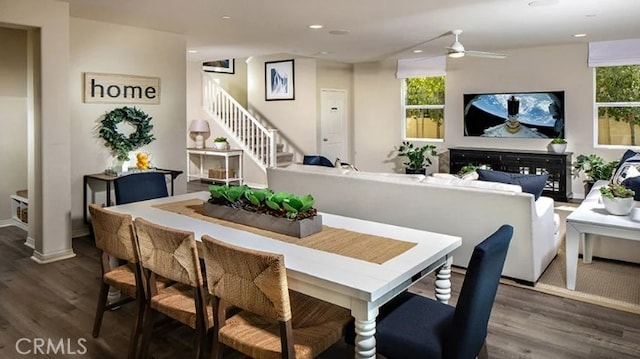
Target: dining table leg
443	281
365	327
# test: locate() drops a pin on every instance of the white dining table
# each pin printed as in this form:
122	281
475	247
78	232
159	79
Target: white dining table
358	285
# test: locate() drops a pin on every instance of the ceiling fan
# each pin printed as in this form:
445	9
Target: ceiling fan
456	50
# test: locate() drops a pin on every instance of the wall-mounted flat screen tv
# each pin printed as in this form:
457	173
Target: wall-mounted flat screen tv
536	115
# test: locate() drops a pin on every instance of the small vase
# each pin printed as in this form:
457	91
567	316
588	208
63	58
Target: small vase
220	145
558	147
618	206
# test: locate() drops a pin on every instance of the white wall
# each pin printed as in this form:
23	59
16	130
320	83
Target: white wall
13	116
111	48
377	117
378	113
339	76
48	128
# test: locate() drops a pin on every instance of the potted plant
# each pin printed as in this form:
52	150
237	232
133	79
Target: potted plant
280	212
595	169
558	145
418	158
617	199
220	143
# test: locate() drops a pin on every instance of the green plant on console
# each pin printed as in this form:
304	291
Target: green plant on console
220	139
417	157
558	141
594	167
277	204
615	190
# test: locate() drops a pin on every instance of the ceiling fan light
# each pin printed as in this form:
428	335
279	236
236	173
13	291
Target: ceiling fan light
455	55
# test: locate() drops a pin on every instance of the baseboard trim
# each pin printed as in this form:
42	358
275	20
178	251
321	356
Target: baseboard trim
30	242
52	257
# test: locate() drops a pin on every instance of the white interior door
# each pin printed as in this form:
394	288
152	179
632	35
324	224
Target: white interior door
333	124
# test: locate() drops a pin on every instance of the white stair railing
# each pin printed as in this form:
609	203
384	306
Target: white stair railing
258	141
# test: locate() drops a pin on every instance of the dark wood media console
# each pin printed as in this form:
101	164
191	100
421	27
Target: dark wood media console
557	165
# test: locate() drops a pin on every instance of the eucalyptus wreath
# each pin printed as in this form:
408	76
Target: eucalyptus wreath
120	144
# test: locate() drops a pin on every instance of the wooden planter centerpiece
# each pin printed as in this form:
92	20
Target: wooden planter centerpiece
282	225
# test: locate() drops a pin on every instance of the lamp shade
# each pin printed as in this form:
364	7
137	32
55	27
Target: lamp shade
199	126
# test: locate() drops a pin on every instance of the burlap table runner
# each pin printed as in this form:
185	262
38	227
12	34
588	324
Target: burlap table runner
370	248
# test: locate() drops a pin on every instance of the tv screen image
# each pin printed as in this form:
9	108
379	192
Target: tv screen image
539	114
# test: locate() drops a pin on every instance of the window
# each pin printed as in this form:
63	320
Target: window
424	108
618	105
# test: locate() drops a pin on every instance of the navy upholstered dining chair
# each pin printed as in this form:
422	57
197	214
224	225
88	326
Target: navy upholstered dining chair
140	186
413	326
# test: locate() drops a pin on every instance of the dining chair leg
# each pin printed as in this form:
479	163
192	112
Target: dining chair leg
102	303
148	319
136	331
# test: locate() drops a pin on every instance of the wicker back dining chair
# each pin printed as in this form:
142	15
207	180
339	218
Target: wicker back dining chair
115	237
140	186
274	322
172	254
412	326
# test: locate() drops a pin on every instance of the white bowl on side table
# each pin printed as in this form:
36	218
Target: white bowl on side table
618	206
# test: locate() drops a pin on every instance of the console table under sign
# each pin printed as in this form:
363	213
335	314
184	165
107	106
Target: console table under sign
557	165
228	173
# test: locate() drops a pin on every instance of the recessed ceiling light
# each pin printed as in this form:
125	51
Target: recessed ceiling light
339	32
192	51
579	35
316	26
417	51
226	17
538	3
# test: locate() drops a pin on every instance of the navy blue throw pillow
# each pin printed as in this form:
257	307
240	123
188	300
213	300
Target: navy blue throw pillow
628	160
533	184
633	183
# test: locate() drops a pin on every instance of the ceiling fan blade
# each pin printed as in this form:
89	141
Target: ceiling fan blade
485	54
398	52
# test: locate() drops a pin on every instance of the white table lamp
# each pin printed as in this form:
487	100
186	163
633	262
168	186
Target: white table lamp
199	127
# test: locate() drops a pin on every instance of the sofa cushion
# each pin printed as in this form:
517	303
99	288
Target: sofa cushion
317	169
387	177
530	183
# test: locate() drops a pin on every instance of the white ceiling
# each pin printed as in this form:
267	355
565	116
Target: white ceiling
377	28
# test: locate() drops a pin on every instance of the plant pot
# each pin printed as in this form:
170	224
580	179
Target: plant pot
301	228
220	145
618	206
558	147
411	171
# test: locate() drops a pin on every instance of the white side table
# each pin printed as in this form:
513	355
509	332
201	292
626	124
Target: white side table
228	157
591	218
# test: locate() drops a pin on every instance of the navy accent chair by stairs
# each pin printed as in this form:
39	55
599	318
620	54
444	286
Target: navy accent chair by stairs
413	326
140	186
317	160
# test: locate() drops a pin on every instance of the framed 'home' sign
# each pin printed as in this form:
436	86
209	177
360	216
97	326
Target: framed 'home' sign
121	89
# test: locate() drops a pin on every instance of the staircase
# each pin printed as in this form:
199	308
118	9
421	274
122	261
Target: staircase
264	145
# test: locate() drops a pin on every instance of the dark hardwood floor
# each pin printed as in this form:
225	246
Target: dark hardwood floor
57	301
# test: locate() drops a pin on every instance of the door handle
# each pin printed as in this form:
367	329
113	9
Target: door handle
325	139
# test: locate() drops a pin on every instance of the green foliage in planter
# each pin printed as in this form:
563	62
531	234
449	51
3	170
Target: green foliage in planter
417	157
615	190
278	204
594	167
119	144
558	141
220	139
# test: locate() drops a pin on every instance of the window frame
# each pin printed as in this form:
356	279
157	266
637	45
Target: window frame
597	105
404	107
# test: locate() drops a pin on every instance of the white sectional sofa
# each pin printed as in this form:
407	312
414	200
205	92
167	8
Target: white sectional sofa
469	209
